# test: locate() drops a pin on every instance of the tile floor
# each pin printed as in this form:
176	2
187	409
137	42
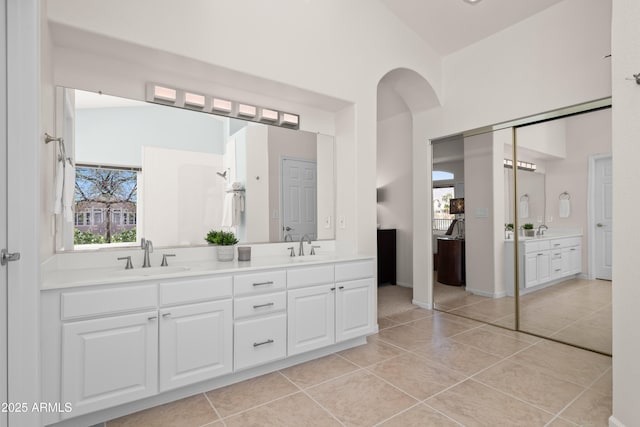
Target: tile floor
576	311
424	368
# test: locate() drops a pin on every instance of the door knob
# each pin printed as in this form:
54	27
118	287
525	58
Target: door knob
287	228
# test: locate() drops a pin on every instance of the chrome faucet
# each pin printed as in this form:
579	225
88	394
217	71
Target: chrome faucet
540	231
147	247
301	249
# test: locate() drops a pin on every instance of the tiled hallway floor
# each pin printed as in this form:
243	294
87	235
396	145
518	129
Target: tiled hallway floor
423	368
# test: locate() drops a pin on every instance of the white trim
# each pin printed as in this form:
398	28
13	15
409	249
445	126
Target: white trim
613	422
591	212
425	305
23	153
487	294
404	285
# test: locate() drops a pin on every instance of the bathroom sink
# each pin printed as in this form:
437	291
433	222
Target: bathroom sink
152	271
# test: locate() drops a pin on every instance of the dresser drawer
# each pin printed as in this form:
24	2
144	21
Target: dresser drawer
264	281
535	246
259	304
196	290
354	270
100	302
260	340
309	276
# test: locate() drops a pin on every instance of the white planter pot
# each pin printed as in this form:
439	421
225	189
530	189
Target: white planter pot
225	253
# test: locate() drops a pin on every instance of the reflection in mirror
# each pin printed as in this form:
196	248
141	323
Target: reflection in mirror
565	269
468	273
171	175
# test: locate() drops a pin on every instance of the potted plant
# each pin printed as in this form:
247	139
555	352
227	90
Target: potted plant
528	230
225	242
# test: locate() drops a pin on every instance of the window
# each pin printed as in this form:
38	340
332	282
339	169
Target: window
441	216
106	202
441	176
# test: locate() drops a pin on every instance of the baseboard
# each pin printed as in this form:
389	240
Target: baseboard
421	304
404	285
487	294
613	422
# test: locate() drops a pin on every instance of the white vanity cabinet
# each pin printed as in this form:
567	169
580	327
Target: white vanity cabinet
543	262
329	304
111	359
196	340
260	325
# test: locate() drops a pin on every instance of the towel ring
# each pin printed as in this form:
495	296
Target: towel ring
524	198
564	196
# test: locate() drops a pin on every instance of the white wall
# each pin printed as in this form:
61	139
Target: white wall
586	134
551	60
626	175
484	213
394	177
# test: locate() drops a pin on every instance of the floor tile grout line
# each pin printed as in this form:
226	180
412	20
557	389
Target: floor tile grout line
214	408
394	386
554	415
442	413
315	401
325	381
418	403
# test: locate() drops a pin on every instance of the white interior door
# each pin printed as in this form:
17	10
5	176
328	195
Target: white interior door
3	210
299	199
603	230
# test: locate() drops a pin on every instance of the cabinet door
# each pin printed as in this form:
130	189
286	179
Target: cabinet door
354	309
310	318
530	270
109	361
195	343
575	259
544	267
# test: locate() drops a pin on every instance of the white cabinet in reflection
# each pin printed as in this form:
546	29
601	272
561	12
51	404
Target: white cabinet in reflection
543	262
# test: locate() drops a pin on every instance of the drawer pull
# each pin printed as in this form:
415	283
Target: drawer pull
165	315
558	269
152	318
270	282
540	254
333	289
341	287
258	344
556	244
573	249
269	304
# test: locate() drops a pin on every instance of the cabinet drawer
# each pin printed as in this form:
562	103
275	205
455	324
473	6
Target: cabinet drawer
264	281
259	304
309	276
354	270
99	302
530	246
196	290
260	340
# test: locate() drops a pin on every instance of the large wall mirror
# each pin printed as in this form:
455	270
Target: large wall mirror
171	175
534	249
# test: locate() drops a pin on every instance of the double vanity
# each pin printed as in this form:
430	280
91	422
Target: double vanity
117	341
543	261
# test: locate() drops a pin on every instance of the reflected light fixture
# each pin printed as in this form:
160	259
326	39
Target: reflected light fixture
525	166
270	115
472	1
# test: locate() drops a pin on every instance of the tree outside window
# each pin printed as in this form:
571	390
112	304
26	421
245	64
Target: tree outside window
108	194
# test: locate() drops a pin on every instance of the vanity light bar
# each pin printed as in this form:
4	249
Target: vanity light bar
269	115
246	110
222	105
194	100
527	166
289	119
161	94
164	93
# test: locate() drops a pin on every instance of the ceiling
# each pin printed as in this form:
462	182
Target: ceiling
450	25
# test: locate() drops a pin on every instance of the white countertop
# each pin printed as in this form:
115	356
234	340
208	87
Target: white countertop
547	236
61	278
